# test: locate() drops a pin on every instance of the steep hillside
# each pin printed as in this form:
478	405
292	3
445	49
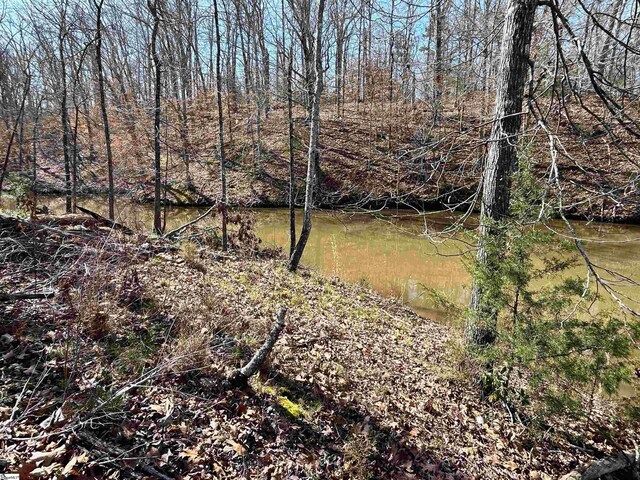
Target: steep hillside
375	153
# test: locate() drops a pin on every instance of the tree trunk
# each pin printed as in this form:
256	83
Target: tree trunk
223	172
313	154
34	158
501	160
605	55
292	177
391	52
608	467
359	67
64	117
21	142
438	76
338	64
103	108
7	155
266	73
240	376
157	217
74	158
367	51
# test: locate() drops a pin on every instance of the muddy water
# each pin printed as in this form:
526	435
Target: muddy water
389	250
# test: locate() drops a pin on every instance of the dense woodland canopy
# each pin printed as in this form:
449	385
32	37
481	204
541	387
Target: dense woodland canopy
510	113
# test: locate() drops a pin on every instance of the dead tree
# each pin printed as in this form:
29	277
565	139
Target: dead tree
242	375
608	467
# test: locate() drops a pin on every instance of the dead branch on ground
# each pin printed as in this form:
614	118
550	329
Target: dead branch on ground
242	375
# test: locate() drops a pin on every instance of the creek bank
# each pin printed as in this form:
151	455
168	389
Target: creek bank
357	386
354	203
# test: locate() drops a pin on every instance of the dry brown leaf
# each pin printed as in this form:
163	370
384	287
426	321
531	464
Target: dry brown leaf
238	447
47	457
190	454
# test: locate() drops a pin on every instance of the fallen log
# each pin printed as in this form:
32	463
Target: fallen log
240	377
608	466
106	221
178	230
7	222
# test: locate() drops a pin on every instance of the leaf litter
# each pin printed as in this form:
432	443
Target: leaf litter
121	375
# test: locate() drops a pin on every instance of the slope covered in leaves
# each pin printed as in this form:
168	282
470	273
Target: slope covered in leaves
123	371
374	153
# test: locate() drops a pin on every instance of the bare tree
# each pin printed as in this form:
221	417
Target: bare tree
223	171
103	106
64	112
438	75
292	171
17	122
154	8
313	153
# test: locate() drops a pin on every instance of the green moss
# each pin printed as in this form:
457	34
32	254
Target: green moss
256	296
223	286
293	409
268	389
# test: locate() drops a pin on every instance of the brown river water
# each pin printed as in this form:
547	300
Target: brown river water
391	251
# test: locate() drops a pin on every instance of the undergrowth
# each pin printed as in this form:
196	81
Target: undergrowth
553	351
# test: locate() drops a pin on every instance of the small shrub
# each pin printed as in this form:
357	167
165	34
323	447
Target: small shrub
20	188
243	236
131	291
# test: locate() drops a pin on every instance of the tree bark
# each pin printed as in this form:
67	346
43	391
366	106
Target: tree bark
438	76
292	177
74	157
7	155
223	171
502	159
64	114
606	55
34	158
240	376
606	466
313	154
157	217
103	107
391	52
